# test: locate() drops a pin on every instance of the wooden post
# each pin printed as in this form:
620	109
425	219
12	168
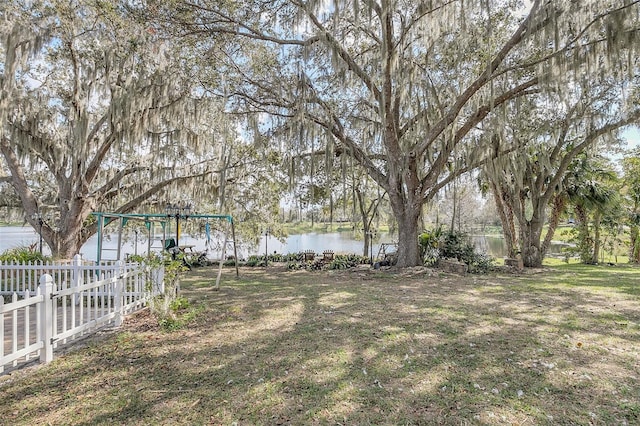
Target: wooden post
224	251
100	235
235	247
119	254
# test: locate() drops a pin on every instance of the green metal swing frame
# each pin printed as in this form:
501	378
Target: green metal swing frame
105	218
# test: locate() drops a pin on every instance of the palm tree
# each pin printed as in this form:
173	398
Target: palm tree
631	169
589	188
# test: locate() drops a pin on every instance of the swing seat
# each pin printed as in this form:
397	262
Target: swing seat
172	248
169	243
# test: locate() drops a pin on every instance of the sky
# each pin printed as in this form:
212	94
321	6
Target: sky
632	135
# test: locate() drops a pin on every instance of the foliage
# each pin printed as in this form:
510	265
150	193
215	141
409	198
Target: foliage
429	242
347	261
258	260
23	255
339	261
454	244
296	266
254	260
289	257
165	307
152	259
631	180
591	186
179	315
229	262
438	244
569	235
179	304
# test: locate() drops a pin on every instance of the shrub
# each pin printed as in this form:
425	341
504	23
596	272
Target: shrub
254	261
277	257
179	303
296	266
340	261
455	244
355	259
229	262
23	255
438	244
346	261
136	258
429	242
165	306
295	257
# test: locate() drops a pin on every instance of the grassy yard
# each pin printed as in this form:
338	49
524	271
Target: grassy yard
556	346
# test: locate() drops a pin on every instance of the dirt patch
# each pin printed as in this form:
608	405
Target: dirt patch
140	321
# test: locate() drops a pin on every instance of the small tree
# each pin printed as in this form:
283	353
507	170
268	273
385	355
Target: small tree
590	189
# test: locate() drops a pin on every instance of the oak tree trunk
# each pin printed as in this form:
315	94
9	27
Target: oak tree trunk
407	215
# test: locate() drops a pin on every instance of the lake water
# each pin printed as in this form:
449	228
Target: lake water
339	242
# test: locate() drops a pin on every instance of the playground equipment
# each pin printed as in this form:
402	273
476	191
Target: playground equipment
105	219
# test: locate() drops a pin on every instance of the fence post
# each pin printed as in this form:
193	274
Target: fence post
121	290
120	268
118	295
46	318
78	277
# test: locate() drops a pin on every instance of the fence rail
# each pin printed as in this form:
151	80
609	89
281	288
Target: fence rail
20	277
69	301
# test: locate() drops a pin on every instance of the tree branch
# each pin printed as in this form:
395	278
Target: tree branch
476	118
481	80
342	52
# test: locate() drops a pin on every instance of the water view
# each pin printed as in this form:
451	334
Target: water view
339	242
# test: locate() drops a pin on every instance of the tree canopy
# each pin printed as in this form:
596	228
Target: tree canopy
126	99
404	87
99	113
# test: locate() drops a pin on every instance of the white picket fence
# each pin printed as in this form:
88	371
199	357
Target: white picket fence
46	305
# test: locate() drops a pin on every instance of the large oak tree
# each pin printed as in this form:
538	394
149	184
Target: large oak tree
403	86
98	113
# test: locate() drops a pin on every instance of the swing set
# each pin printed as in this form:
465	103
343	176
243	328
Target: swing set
122	219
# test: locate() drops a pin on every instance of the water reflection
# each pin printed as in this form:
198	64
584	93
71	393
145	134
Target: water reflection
490	244
494	246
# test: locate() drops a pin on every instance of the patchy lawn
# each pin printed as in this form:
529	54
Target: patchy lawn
556	346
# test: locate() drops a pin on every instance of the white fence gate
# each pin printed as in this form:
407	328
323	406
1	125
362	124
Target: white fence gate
44	305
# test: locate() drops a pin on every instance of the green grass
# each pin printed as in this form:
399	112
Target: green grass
555	346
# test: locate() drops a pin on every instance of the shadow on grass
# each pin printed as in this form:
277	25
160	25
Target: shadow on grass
360	348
